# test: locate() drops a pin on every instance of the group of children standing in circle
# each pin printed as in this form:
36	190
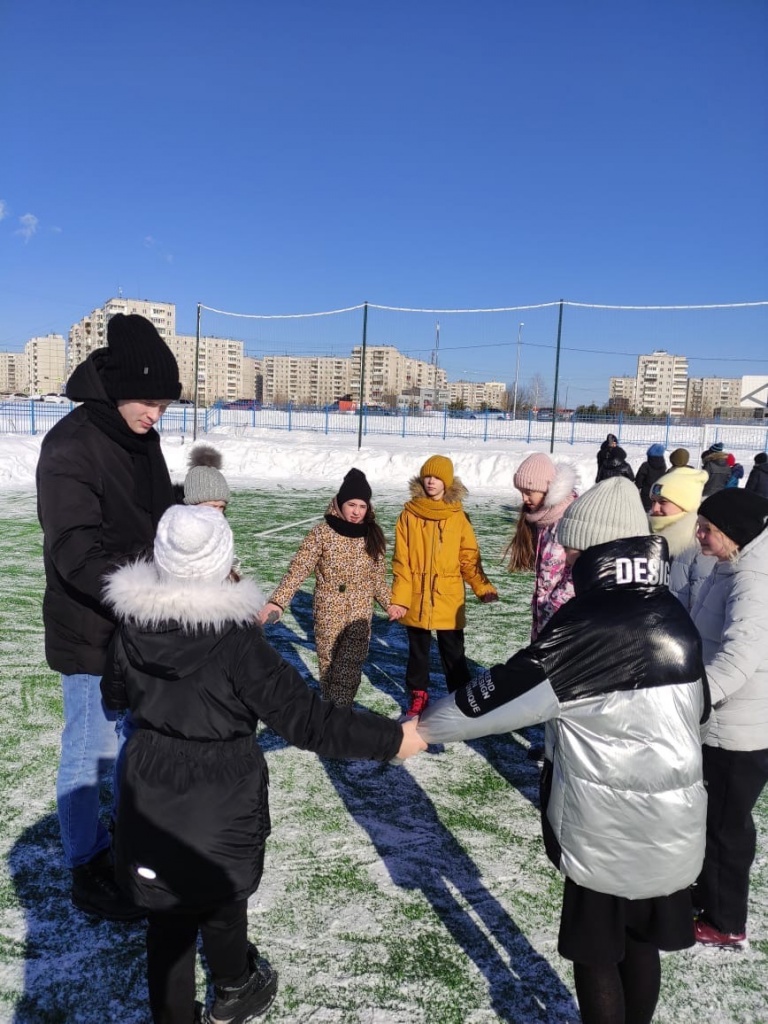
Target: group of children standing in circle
188	616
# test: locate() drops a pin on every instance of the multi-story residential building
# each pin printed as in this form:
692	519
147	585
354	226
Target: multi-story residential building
91	332
219	367
707	394
754	393
253	379
46	364
388	373
306	380
621	393
477	394
662	382
14	375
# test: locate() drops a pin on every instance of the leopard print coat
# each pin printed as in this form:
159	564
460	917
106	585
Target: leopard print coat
347	581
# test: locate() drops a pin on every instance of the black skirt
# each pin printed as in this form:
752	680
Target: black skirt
594	926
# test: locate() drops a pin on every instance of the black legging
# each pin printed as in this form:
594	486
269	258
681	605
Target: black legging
623	993
171	947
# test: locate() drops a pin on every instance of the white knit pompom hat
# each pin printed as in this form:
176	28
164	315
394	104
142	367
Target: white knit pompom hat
611	510
194	542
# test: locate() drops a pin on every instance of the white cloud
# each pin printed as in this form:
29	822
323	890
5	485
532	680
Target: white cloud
3	209
29	224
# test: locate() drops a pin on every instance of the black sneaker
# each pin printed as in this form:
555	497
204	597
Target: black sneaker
95	892
249	1001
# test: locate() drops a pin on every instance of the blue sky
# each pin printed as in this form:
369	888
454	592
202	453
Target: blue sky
283	157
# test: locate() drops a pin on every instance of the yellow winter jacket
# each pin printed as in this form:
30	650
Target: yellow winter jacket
436	553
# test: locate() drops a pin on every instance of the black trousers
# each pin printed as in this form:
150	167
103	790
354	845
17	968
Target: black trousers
171	948
450	644
734	780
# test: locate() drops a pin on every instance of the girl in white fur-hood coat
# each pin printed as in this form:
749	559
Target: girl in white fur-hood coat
547	489
191	663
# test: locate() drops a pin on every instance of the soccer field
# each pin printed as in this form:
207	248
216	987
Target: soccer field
414	894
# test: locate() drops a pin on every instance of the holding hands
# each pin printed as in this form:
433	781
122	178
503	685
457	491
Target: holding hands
412	741
395	612
270	614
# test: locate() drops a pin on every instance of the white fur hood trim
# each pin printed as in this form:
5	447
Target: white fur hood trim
135	592
562	486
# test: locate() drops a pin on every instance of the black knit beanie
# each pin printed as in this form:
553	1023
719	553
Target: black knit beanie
139	364
740	515
355	486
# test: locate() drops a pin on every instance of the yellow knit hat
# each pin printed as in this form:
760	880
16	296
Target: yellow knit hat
682	485
439	466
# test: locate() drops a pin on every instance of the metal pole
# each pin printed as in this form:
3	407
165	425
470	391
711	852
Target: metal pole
557	377
197	369
362	377
517	371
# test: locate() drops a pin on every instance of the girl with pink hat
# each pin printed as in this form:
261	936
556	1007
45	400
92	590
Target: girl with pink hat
547	489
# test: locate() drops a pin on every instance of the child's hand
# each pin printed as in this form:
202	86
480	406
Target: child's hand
395	612
270	614
412	742
490	597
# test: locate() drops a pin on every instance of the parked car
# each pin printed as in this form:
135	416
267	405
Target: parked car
56	399
17	396
242	403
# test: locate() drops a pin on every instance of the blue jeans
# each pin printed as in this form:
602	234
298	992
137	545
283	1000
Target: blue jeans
90	744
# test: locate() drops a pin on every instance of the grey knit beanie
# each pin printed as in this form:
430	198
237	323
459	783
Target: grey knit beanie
204	482
611	510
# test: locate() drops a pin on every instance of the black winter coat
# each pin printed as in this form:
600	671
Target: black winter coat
198	676
647	475
92	521
614	464
718	471
758	479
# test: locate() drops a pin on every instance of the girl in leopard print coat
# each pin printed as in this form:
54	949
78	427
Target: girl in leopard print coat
346	555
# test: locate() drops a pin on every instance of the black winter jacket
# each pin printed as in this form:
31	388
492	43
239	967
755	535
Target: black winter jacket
758	479
647	475
92	521
614	464
718	471
198	676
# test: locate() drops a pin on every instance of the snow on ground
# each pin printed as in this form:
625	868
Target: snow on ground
258	457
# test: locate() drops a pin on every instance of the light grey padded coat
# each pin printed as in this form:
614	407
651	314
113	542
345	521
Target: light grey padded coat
731	614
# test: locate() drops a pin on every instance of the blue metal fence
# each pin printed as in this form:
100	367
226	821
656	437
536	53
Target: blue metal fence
33	417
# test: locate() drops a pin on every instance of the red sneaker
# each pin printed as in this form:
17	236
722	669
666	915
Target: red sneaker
708	935
419	700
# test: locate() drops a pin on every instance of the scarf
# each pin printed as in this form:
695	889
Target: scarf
428	508
549	515
678	530
153	491
345	528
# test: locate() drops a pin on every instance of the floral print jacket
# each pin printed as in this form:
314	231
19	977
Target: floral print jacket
553	586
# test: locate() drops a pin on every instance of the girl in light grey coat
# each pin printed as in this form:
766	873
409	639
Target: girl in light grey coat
731	615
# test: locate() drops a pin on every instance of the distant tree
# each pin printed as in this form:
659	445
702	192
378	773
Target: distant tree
588	410
457	405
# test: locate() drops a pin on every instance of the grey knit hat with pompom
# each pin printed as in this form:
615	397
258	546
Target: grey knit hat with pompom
204	482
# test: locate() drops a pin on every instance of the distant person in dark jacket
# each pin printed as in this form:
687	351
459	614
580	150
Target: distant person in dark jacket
615	464
191	662
649	472
608	445
102	486
715	462
757	480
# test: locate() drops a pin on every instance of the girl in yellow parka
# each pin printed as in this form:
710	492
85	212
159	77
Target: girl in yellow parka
436	553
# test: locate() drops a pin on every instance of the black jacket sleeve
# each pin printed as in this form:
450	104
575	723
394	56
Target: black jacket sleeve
278	695
113	692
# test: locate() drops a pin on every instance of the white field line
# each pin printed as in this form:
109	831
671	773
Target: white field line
288	526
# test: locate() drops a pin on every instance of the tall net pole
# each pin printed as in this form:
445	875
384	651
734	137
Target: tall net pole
362	377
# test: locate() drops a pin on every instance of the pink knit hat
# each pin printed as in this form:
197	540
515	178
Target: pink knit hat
535	473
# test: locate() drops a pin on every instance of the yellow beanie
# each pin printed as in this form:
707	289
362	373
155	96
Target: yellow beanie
682	485
439	466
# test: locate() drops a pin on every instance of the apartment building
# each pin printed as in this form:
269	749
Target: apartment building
219	368
389	374
46	364
253	379
477	394
621	393
14	376
704	395
662	384
91	332
305	380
